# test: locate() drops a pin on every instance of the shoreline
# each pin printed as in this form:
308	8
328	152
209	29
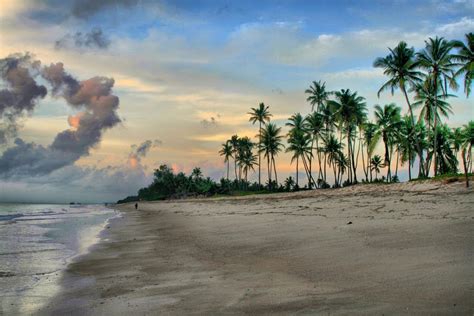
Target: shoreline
364	249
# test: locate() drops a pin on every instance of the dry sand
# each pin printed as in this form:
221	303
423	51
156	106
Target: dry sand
409	250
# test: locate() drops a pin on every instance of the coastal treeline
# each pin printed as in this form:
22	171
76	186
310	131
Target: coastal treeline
337	142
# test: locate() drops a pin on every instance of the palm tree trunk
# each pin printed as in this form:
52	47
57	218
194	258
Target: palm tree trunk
320	174
227	169
269	167
308	174
463	154
435	131
235	168
335	176
396	165
297	159
274	168
421	170
409	165
259	154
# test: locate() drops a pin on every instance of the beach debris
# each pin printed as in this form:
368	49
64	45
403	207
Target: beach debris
349	223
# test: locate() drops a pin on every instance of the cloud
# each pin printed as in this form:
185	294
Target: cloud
208	123
94	39
140	151
93	99
87	8
21	93
74	183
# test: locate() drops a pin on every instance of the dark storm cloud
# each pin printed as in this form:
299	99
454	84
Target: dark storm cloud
95	39
97	108
20	93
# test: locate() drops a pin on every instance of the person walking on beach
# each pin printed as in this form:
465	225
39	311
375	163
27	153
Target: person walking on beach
136	206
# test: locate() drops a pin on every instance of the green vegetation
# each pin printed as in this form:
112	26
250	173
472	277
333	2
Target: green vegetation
337	134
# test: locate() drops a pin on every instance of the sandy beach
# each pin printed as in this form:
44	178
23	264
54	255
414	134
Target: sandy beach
367	249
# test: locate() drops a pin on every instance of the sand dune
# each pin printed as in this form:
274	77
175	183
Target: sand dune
367	249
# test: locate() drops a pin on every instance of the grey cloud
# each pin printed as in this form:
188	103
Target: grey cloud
97	112
95	39
211	122
87	8
21	92
140	151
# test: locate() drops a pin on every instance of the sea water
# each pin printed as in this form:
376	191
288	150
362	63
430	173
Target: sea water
36	243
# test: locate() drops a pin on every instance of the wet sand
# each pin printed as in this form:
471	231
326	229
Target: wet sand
367	249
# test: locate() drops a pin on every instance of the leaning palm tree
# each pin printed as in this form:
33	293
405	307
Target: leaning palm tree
402	69
389	120
317	95
260	115
271	146
226	151
376	164
465	60
437	60
350	111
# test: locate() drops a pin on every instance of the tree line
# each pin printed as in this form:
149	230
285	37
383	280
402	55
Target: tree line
337	135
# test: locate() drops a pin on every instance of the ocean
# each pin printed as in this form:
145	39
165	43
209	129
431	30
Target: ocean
37	241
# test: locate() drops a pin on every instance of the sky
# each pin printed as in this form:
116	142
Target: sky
98	94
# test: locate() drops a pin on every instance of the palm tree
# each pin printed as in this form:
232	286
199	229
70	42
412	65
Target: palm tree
260	115
317	95
350	111
389	120
370	140
447	161
375	165
271	146
465	60
244	152
300	144
314	125
406	142
432	104
226	151
333	149
468	142
437	60
402	69
234	141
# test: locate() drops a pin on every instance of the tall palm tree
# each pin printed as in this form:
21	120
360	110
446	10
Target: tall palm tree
317	95
271	146
226	151
389	120
437	60
314	125
299	143
260	115
350	111
465	60
433	105
401	67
